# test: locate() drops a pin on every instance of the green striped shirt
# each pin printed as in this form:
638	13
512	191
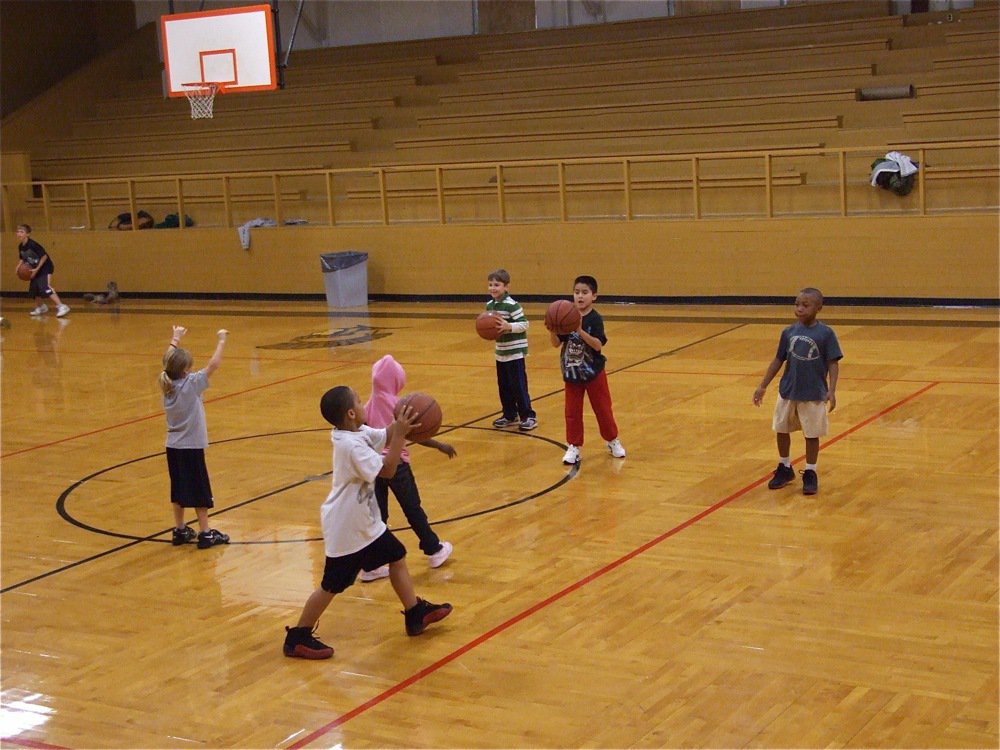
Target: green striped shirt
513	345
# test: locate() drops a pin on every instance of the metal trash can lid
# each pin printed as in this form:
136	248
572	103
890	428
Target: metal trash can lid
339	261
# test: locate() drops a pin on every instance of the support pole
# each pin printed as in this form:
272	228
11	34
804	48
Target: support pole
277	42
295	29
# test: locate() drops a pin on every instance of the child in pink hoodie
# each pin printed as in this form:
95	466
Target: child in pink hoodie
388	379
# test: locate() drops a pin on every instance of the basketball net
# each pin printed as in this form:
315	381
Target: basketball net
202	98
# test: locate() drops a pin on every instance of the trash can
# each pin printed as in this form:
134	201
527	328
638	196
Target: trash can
345	276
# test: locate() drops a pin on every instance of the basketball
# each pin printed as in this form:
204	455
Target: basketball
23	271
562	317
488	325
428	415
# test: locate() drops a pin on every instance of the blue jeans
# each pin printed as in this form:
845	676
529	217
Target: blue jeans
512	381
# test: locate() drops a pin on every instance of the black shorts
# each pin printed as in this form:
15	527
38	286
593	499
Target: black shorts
189	485
340	572
39	286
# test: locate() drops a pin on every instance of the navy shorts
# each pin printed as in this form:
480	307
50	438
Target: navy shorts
39	286
340	572
189	485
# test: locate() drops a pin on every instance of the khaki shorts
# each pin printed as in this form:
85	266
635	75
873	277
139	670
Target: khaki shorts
807	416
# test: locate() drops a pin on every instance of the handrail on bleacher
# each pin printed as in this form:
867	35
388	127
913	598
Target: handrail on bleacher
758	170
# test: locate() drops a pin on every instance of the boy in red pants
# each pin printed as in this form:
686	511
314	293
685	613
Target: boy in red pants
582	364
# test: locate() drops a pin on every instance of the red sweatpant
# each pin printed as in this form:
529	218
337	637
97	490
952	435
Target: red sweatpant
600	401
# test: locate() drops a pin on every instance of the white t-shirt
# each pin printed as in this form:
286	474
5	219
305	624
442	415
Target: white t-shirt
350	516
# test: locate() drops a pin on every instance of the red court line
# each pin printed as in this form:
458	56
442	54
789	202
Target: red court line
159	414
490	634
842	379
30	743
882	413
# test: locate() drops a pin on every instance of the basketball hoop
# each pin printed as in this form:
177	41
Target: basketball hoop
202	98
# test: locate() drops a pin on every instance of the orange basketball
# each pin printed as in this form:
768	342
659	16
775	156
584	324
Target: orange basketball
562	317
488	325
428	415
23	271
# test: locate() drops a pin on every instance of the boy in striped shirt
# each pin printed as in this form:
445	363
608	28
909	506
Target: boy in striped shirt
511	349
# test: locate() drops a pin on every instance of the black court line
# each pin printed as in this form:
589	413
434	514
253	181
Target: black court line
72	520
154	537
618	317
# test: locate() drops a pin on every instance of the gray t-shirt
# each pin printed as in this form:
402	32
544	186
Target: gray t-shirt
806	352
186	427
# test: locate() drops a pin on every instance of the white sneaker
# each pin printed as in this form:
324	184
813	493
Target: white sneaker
437	559
62	311
616	449
374	575
40	310
572	455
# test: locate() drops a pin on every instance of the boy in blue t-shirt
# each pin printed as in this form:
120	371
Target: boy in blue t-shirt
810	351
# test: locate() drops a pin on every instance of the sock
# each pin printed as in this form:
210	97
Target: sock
810	467
785	461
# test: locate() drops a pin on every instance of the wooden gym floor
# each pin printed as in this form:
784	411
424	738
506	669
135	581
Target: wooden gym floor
665	600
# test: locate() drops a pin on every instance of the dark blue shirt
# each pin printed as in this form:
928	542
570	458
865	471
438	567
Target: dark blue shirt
31	253
806	352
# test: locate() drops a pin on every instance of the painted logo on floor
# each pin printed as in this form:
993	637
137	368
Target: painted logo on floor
329	339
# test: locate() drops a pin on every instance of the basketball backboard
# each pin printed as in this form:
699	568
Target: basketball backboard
233	47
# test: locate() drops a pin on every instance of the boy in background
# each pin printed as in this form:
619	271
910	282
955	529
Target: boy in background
810	350
582	364
42	268
511	349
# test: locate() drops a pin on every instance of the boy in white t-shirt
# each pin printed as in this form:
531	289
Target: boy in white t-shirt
354	535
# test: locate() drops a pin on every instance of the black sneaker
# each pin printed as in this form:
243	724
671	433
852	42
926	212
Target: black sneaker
810	482
504	422
782	476
422	614
302	643
183	536
210	538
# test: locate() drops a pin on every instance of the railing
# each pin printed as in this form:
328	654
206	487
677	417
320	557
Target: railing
955	177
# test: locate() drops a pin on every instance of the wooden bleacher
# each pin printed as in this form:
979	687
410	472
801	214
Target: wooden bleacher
987	62
355	115
157	137
516	139
329	97
721	39
846	14
781	79
965	116
779	57
148	161
491	113
653	82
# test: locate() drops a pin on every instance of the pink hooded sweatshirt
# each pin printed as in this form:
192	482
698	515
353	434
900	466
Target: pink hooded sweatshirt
388	380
